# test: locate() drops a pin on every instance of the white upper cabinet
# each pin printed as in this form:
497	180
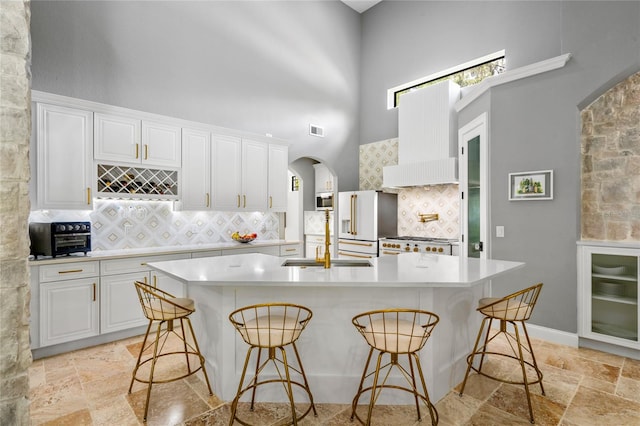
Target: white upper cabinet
240	171
227	176
196	170
255	164
117	138
324	178
278	177
161	144
123	139
65	157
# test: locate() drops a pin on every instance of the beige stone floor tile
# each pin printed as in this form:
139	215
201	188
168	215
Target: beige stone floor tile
599	385
631	368
490	415
455	410
479	387
218	417
101	392
77	418
577	364
51	401
629	389
36	375
116	412
170	403
196	382
513	399
264	413
325	412
591	407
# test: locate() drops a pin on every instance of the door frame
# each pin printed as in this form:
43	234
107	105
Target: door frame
476	127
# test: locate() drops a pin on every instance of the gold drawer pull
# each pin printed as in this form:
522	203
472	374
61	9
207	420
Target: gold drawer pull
290	249
94	292
143	264
72	271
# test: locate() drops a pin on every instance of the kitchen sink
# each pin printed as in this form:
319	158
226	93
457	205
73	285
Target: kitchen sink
349	263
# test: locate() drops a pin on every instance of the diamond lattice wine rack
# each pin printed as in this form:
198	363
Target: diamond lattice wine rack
134	182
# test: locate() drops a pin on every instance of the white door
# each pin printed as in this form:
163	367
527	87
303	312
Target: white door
68	310
473	187
117	138
345	215
65	158
196	170
278	177
255	159
161	144
226	170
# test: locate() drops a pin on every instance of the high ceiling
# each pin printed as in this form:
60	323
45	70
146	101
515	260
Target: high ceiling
360	5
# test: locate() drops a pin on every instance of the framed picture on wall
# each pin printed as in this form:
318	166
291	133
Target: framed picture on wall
536	185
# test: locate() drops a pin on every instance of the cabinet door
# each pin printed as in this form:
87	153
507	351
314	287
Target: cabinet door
196	170
117	138
68	310
227	176
120	307
65	158
255	160
278	177
161	144
609	295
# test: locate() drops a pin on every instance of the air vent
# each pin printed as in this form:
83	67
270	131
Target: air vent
316	130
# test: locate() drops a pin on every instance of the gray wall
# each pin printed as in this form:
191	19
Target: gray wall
534	123
262	67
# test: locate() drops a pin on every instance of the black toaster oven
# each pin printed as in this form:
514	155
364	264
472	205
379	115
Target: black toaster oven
59	238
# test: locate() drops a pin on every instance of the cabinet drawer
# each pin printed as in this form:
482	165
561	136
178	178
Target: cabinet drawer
292	250
68	271
135	264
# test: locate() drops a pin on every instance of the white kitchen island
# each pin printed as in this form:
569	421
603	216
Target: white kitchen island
332	351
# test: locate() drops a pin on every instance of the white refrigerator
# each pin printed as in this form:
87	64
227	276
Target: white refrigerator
363	217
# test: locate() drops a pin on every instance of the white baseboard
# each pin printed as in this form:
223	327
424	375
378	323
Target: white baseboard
550	335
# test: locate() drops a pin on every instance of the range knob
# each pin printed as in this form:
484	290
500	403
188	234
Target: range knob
416	249
440	250
427	249
407	248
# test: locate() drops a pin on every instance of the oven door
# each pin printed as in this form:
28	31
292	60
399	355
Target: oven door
71	243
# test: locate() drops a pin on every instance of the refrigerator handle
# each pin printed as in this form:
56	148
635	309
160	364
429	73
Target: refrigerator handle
351	214
355	214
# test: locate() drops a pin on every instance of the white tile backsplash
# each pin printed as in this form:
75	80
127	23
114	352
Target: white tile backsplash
120	224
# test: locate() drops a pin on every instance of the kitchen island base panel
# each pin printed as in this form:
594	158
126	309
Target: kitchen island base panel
332	350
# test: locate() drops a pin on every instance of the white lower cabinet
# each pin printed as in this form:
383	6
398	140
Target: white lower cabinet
68	310
120	307
608	294
313	243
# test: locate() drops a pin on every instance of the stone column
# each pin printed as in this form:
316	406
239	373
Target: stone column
15	132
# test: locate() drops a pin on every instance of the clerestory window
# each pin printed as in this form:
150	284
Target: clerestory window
467	74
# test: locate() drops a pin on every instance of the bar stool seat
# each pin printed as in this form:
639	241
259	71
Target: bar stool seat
394	332
272	327
514	309
162	309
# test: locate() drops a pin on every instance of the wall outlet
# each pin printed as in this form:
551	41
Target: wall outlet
500	231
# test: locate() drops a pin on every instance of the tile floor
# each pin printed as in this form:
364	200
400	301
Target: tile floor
89	387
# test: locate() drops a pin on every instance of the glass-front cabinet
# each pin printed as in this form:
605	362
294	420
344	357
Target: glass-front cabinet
608	294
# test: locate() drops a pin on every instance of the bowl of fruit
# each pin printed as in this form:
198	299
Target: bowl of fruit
243	238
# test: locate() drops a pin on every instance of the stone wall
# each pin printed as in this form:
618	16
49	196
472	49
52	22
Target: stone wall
15	129
611	164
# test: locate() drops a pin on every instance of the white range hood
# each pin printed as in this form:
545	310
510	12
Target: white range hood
427	133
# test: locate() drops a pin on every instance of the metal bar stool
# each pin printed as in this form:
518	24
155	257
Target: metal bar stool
513	309
272	327
163	308
395	332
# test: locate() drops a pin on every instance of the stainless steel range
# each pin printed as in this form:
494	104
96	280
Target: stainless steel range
401	244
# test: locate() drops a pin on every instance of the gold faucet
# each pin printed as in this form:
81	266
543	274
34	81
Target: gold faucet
327	242
428	217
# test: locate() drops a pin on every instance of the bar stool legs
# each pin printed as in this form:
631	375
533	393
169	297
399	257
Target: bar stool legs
513	309
162	309
271	328
394	333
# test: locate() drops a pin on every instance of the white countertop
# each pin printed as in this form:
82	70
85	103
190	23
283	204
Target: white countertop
151	251
406	270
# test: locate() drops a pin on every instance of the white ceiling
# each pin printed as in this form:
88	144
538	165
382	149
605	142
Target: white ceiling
360	5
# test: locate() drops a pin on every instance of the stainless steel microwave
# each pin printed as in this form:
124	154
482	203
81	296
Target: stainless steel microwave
324	201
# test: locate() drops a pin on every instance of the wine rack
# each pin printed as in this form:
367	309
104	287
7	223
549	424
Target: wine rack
135	182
